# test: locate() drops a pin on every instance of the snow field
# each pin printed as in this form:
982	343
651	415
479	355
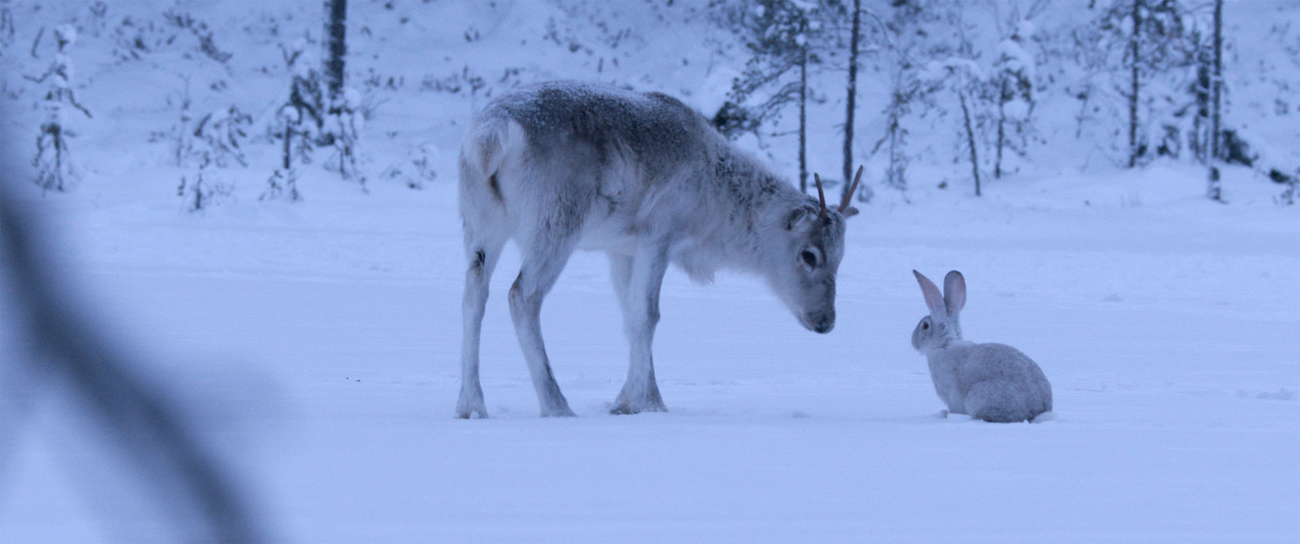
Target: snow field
1173	378
317	344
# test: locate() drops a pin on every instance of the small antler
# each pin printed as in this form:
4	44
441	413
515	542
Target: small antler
821	196
848	195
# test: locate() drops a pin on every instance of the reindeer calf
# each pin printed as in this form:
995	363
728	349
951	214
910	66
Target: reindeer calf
560	166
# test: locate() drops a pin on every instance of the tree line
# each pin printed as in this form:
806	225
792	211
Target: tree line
1149	71
1144	77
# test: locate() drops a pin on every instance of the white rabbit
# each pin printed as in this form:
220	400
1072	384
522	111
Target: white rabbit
992	382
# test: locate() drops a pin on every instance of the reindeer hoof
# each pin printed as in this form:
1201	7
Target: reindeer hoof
471	403
624	408
557	408
471	413
635	401
561	412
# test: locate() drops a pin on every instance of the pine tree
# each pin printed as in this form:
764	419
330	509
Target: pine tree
55	169
216	143
782	36
1214	189
965	78
1013	83
906	36
1157	42
297	122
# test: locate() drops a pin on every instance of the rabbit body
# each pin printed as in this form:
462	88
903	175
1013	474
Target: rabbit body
991	382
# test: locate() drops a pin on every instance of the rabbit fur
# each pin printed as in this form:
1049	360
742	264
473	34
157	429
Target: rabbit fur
991	382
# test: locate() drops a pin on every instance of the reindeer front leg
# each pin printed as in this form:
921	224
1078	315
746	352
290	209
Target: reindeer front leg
637	280
541	266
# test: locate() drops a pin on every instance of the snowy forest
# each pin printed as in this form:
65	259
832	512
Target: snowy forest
926	93
233	274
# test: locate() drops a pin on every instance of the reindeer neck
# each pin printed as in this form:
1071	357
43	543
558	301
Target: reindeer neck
755	201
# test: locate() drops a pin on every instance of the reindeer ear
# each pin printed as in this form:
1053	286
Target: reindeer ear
850	212
798	216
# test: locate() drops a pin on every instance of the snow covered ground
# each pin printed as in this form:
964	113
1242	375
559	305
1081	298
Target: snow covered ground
318	343
326	333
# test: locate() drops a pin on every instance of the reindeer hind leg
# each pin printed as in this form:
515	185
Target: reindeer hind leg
482	256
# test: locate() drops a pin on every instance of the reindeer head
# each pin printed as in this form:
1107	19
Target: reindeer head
812	244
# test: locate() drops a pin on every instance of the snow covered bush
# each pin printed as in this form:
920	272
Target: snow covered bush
420	169
298	121
1014	73
967	80
199	191
217	137
342	130
215	143
282	183
315	115
55	169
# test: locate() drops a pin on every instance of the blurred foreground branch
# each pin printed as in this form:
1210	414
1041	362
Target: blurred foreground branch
168	458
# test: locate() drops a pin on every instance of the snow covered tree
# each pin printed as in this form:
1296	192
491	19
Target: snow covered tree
320	112
343	129
215	144
55	170
965	78
909	44
342	121
217	136
857	37
1013	84
297	122
1201	89
783	37
1156	39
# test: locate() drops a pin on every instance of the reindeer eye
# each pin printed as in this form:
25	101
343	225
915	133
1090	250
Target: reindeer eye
925	325
809	257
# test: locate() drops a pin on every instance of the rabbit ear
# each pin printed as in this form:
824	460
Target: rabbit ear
954	292
933	299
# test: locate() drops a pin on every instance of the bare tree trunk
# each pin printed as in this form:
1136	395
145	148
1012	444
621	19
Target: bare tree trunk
1200	139
1215	191
1215	116
288	146
853	95
336	48
970	141
1133	96
803	122
896	163
1002	121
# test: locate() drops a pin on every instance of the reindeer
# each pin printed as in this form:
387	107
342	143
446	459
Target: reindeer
561	166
